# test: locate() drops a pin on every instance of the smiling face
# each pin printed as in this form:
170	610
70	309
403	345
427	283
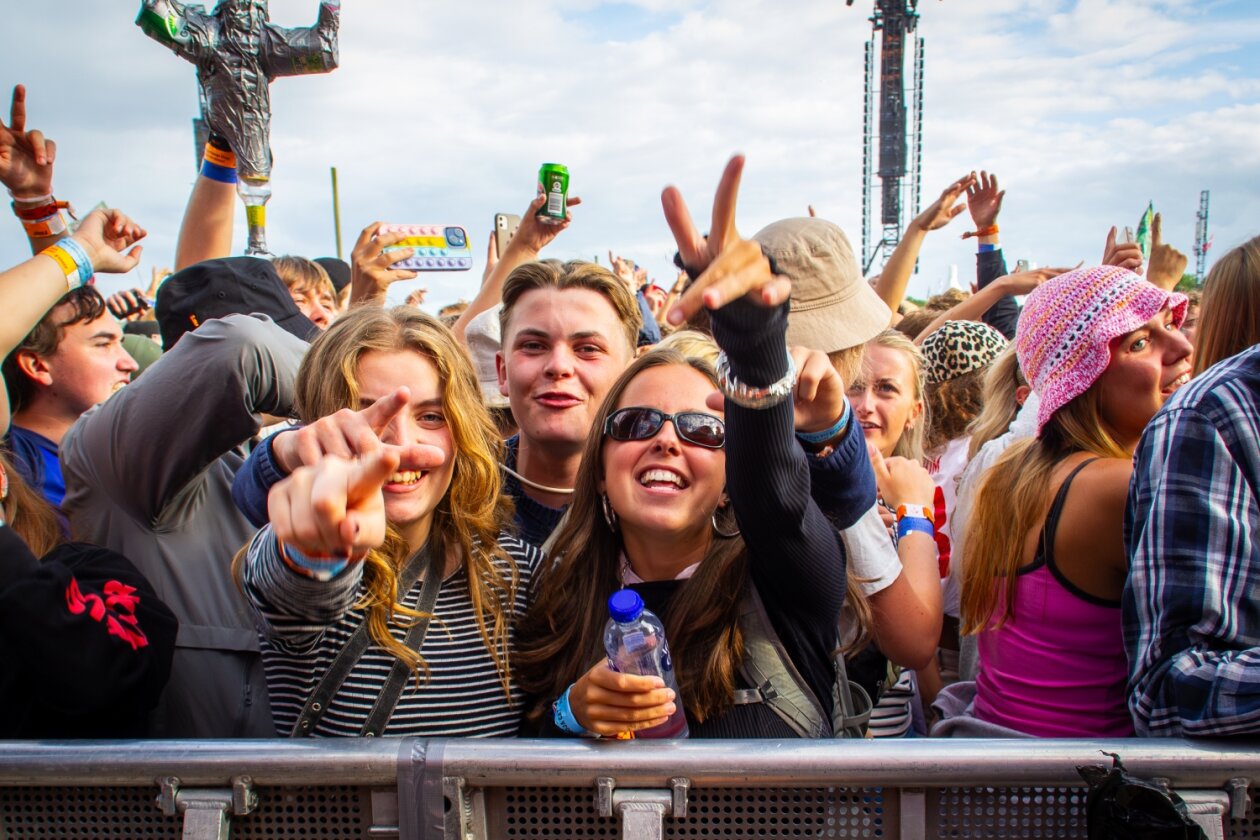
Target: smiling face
411	495
664	486
317	304
562	351
88	365
884	400
1147	366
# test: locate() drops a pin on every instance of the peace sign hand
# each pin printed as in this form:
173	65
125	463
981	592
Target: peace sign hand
26	158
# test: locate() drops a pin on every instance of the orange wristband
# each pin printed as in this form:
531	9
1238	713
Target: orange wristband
219	157
991	230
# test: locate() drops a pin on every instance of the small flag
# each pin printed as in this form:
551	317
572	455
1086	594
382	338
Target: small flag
1144	231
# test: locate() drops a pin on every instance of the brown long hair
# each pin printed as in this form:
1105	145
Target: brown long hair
562	634
28	513
1013	498
473	511
1229	320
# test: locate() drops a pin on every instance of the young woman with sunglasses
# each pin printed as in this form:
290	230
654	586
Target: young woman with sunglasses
693	504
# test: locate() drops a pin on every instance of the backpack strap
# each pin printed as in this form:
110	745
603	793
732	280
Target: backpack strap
357	645
767	666
851	706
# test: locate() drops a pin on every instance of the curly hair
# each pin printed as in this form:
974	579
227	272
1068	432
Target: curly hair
952	406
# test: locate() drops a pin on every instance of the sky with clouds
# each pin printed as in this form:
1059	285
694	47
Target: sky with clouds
442	112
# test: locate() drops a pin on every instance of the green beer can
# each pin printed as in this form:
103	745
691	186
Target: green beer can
553	182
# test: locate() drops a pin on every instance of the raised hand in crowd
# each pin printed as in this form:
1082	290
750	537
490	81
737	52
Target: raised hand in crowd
335	507
818	398
892	281
127	305
372	267
526	244
26	157
492	259
1123	254
729	267
984	200
624	269
1167	265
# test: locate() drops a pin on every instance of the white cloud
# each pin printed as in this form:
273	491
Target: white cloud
442	112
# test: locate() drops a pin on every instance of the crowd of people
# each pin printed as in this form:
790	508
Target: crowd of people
253	500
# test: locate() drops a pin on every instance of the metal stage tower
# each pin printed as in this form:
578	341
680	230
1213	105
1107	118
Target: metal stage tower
899	131
1201	240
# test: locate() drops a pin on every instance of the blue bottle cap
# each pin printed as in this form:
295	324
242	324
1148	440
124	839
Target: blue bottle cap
625	605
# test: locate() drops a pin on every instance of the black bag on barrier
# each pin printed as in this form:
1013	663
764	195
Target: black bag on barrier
1124	807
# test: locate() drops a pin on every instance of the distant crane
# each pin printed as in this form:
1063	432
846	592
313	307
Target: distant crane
1202	242
900	129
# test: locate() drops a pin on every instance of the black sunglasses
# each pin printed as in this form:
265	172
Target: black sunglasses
641	423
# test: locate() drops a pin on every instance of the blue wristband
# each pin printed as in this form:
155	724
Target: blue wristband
81	260
222	174
827	435
986	248
915	524
320	568
564	719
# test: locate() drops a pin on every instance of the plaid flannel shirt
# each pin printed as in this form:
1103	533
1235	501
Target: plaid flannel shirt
1192	600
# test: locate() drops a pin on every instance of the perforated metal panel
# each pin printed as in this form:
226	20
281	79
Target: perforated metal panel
1245	829
1009	813
46	813
730	814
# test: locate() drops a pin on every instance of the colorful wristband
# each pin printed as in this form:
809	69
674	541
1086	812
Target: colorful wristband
321	568
218	165
828	435
73	261
914	524
986	248
45	228
915	512
991	230
562	715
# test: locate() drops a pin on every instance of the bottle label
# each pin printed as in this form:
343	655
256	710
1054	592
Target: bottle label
634	642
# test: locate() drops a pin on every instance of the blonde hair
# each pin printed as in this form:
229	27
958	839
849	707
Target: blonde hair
1228	318
910	443
692	344
575	274
1013	498
302	275
471	513
999	404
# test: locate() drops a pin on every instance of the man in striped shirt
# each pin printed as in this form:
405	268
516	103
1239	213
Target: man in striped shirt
1191	625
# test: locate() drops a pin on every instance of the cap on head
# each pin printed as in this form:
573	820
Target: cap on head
227	286
484	339
338	271
1065	331
960	347
832	307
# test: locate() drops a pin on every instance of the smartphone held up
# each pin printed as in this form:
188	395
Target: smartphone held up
434	247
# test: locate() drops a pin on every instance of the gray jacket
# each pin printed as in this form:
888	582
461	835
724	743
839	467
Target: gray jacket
149	474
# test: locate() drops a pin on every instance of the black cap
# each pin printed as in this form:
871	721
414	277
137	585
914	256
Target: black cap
145	328
228	286
338	271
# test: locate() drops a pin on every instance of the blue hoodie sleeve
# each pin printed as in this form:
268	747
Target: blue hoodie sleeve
254	481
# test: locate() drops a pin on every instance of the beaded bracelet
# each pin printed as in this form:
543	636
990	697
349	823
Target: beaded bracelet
73	261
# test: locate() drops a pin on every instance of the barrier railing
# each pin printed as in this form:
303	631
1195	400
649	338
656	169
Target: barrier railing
530	790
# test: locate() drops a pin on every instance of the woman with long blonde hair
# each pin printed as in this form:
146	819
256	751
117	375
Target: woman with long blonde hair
366	542
1102	349
1229	320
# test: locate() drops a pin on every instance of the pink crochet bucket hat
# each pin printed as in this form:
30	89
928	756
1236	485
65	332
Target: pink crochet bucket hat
1064	335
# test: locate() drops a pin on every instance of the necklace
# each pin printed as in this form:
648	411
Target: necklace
542	488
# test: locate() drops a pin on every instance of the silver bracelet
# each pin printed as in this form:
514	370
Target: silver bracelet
749	396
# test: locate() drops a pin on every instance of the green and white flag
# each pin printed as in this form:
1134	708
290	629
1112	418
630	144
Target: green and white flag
1144	231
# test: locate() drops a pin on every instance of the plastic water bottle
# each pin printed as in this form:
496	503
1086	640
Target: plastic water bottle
635	641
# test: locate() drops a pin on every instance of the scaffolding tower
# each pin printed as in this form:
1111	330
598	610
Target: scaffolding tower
1201	240
899	129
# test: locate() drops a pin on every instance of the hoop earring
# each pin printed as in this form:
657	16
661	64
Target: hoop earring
725	534
610	515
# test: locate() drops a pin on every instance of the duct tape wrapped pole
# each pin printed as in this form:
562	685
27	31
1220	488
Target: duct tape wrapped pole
237	52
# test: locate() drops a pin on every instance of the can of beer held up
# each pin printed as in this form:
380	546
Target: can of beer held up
553	181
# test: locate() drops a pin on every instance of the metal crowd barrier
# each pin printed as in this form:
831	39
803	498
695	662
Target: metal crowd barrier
416	789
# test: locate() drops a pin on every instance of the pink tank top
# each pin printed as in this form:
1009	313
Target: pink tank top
1058	668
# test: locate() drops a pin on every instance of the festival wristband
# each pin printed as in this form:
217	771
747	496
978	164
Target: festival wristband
991	230
828	435
912	525
562	715
319	567
915	512
73	261
45	228
218	165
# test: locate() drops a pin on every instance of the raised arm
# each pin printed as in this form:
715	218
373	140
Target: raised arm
26	169
891	286
206	230
28	290
975	306
202	399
